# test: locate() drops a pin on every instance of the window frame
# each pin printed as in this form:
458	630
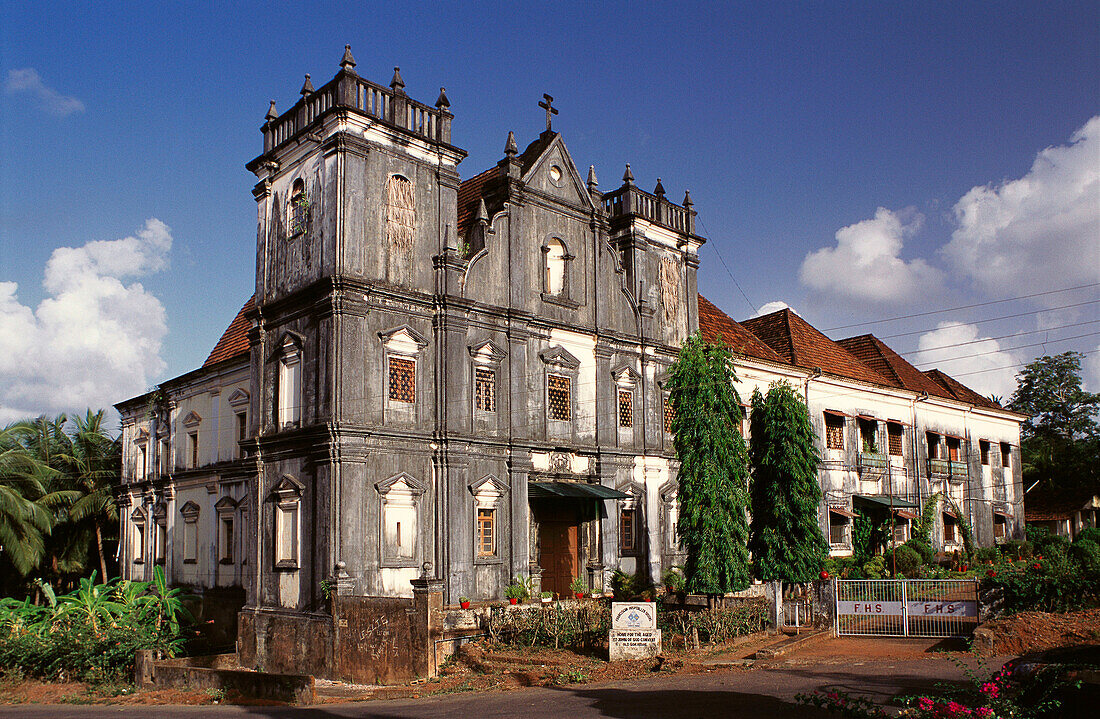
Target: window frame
287	524
891	436
628	531
488	493
190	512
835	426
485	400
568	388
297	218
409	371
486	523
400	494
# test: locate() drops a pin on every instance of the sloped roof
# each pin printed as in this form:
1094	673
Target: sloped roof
954	389
234	341
534	151
1040	506
803	345
716	326
469	192
877	355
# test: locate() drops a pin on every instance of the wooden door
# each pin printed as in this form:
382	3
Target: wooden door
558	556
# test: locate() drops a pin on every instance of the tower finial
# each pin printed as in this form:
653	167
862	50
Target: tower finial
271	113
687	199
510	148
659	190
442	102
628	176
347	62
593	183
397	83
482	211
307	87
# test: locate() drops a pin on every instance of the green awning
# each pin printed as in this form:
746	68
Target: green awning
572	490
886	501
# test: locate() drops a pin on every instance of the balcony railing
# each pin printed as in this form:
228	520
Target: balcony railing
872	461
959	469
939	466
632	200
348	90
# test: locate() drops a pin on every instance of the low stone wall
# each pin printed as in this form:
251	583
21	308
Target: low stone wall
179	674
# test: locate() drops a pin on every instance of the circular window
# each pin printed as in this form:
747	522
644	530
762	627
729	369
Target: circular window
555	174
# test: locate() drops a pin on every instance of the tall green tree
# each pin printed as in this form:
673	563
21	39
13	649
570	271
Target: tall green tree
93	470
1060	441
713	468
785	536
24	522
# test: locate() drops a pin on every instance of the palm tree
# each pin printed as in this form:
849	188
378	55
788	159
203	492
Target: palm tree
24	522
93	469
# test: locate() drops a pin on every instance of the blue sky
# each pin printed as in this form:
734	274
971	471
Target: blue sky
788	123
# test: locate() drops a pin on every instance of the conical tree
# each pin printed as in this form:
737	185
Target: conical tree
713	475
785	538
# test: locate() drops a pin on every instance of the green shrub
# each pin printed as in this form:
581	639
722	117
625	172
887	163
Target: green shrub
907	561
839	567
574	625
1087	554
715	625
1035	534
874	568
1017	549
924	549
988	554
631	586
1053	543
91	634
1091	534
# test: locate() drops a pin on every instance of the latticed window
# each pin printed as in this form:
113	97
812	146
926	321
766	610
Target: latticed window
834	431
670	413
626	408
299	208
894	435
485	389
558	392
626	531
400	213
402	379
486	544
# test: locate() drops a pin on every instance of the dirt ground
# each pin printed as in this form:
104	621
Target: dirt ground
482	667
1037	631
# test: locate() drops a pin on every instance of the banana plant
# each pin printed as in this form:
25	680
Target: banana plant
92	602
168	603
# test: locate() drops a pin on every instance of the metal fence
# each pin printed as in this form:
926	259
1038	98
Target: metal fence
906	607
798	612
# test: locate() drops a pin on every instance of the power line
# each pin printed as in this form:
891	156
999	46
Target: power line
994	319
1007	349
962	307
1002	337
728	272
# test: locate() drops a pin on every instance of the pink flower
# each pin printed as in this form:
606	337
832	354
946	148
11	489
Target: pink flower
985	713
925	704
990	689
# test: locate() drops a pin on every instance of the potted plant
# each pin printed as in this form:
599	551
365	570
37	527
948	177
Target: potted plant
464	602
579	587
515	592
546	597
674	580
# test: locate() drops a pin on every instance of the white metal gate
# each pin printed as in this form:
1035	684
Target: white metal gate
906	607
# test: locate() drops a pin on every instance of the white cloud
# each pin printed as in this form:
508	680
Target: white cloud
94	340
27	80
773	306
978	362
1039	232
865	264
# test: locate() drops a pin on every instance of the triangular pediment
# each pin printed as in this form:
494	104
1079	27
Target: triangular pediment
225	504
488	484
141	436
190	510
625	374
192	419
287	487
400	481
403	338
669	491
553	172
560	357
486	351
238	398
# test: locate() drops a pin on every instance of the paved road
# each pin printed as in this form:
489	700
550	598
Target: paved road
759	692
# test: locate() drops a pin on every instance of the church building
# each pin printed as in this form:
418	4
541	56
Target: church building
461	381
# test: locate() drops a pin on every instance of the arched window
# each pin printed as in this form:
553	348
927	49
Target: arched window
555	266
298	208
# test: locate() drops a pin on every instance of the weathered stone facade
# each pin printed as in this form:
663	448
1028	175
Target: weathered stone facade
437	383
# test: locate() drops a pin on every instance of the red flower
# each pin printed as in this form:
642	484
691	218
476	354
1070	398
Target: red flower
991	574
824	574
1036	566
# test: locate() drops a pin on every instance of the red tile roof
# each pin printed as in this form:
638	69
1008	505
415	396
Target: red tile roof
1043	506
874	353
954	389
716	326
801	344
469	192
234	341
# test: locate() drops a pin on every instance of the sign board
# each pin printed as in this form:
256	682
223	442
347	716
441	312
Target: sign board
916	609
634	632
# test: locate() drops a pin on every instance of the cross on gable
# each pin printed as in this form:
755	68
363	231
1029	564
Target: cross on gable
550	109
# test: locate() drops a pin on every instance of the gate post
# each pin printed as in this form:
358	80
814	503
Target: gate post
775	611
426	623
905	606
